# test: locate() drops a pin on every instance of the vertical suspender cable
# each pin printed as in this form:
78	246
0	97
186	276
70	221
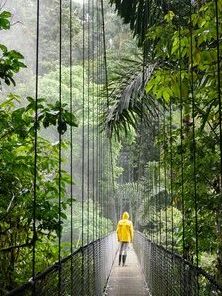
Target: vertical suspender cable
98	113
219	85
181	145
88	137
35	147
88	118
159	183
171	178
194	145
181	142
101	134
165	177
144	28
148	199
83	142
107	99
93	144
218	82
112	169
96	152
60	139
158	201
171	190
83	123
71	140
153	200
97	116
165	148
93	122
155	180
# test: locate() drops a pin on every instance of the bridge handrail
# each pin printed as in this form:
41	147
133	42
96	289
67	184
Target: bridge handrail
176	255
57	265
184	275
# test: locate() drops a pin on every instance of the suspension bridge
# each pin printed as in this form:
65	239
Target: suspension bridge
149	142
93	270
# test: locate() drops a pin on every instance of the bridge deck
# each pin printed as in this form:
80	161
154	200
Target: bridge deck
128	280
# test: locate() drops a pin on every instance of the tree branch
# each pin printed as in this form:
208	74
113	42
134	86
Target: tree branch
3	4
25	245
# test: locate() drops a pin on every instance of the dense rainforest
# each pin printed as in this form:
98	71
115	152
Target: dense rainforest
86	220
163	122
177	106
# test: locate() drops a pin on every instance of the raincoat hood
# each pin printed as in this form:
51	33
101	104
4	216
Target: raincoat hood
125	229
125	215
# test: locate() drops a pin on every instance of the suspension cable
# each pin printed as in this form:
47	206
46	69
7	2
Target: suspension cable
181	139
60	142
88	132
35	146
71	138
83	144
88	117
159	182
109	144
219	86
153	198
155	184
100	156
193	135
93	122
171	179
97	117
148	199
99	132
165	176
194	144
93	143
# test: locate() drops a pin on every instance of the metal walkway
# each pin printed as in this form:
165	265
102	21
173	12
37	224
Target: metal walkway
128	280
86	271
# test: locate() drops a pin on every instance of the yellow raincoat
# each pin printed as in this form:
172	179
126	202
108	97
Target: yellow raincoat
125	229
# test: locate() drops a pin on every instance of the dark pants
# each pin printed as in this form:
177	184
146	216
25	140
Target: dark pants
123	248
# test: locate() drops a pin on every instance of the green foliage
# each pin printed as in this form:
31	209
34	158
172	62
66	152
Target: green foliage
56	114
17	173
18	127
128	198
142	14
11	63
128	104
94	224
186	73
10	60
5	20
185	49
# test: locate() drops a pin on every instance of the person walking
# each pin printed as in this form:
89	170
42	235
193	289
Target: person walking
125	236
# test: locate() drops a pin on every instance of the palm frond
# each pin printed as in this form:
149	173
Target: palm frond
143	14
129	101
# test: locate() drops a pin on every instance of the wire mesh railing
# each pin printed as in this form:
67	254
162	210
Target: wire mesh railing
84	273
168	274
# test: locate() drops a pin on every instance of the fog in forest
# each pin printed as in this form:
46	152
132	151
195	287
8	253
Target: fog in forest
22	37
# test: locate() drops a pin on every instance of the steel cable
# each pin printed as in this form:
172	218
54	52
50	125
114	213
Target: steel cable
71	138
83	152
35	147
60	147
